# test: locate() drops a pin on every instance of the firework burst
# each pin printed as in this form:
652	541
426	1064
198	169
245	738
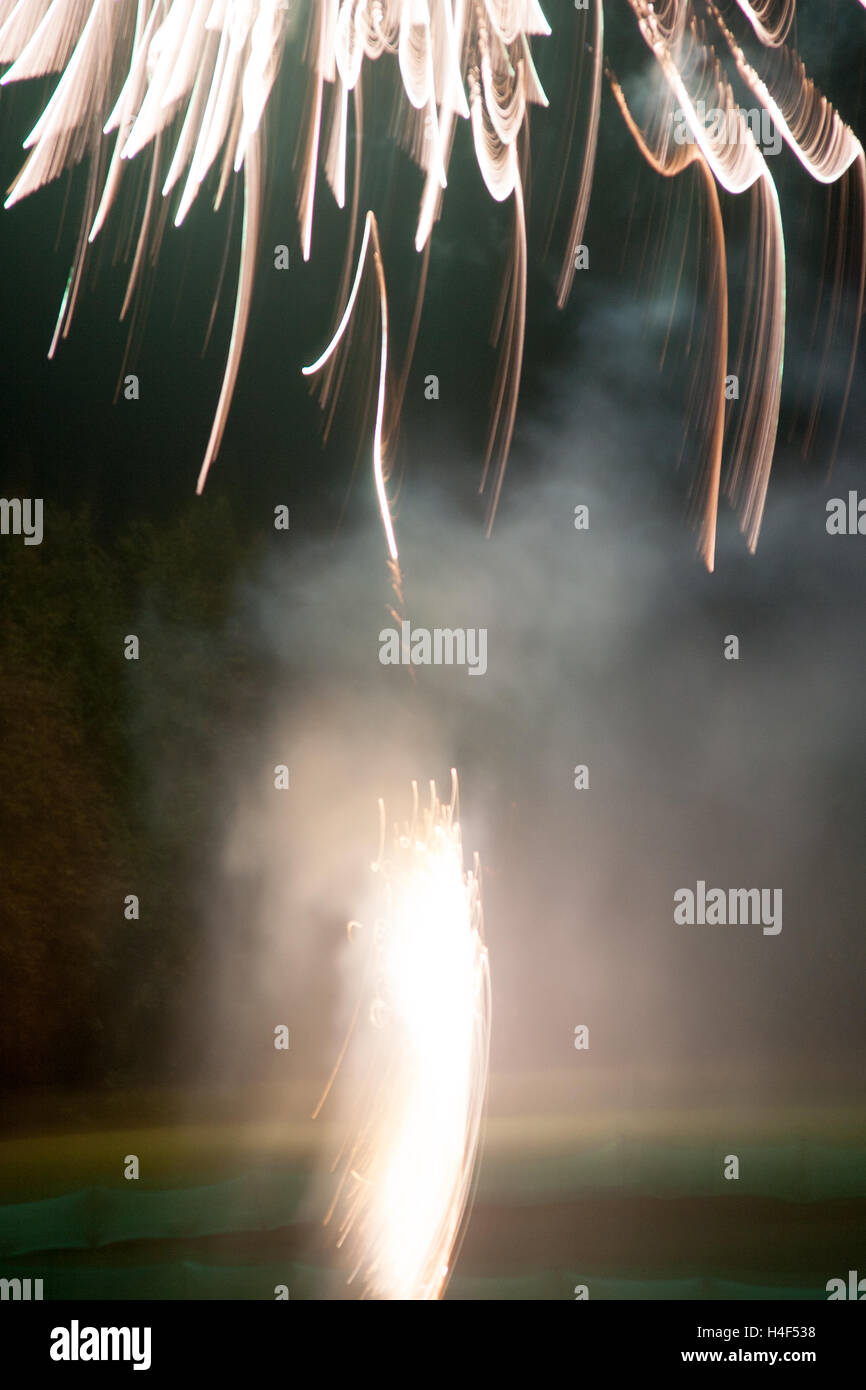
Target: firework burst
185	84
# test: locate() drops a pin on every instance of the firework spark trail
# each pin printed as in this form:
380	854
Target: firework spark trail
371	237
190	80
584	190
670	160
827	149
249	243
693	75
410	1156
771	20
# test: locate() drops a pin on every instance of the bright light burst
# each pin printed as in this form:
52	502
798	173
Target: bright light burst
409	1160
185	84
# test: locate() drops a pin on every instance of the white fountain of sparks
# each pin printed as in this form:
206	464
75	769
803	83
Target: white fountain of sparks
410	1157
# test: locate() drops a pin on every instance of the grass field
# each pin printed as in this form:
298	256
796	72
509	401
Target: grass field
628	1200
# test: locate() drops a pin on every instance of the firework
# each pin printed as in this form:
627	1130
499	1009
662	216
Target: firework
408	1163
726	153
371	234
185	84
